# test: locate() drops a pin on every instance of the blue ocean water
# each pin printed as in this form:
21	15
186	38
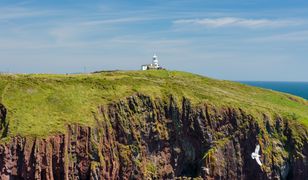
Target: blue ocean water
295	88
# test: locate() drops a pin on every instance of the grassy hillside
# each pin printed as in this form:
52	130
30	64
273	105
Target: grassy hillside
39	105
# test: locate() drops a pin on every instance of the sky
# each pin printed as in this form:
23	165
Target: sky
257	40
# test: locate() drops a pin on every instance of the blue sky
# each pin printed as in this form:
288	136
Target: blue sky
225	39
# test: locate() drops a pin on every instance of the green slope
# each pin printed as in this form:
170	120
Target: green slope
40	105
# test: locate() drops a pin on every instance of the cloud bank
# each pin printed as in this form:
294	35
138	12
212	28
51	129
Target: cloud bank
238	22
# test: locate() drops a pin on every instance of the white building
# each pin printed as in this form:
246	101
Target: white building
144	67
154	65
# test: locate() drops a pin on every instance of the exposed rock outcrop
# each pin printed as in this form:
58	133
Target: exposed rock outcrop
3	122
140	138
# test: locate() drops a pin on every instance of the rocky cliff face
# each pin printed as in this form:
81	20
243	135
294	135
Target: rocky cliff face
142	138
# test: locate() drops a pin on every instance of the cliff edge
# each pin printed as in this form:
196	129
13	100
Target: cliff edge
148	125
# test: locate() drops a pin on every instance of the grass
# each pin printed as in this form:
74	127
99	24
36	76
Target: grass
43	104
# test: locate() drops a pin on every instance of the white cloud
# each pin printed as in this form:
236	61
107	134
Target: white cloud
239	22
113	21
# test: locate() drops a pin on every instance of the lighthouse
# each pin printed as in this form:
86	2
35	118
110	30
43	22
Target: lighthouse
155	62
153	65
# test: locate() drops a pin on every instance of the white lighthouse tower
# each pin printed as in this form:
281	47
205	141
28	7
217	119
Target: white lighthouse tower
153	65
155	62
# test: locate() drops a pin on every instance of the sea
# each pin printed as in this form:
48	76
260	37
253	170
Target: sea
295	88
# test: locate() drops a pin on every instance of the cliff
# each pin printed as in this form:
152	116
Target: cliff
162	136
